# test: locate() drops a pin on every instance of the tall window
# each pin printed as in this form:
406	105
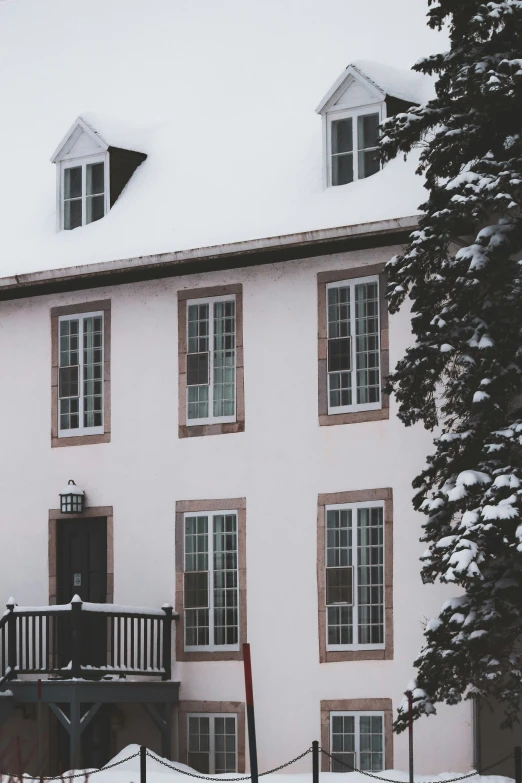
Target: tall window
355	576
357	740
353	365
83	190
353	147
80	374
212	743
211	360
211	587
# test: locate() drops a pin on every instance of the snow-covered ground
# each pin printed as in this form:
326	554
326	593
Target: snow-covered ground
129	772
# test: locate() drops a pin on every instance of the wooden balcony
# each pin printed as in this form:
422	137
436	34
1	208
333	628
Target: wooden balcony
85	640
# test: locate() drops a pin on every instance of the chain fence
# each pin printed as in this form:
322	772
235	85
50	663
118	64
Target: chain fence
87	774
378	776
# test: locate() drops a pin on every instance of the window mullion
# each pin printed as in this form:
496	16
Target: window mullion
212	744
355	561
353	372
84	192
211	582
355	147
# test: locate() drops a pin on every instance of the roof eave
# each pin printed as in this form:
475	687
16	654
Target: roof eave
238	254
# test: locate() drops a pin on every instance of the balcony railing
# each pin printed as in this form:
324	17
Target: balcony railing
85	640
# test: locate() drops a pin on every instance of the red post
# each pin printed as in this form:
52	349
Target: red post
409	694
249	697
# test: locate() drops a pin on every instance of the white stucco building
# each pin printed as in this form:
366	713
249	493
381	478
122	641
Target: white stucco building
197	336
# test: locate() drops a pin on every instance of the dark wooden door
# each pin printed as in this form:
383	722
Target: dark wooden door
82	570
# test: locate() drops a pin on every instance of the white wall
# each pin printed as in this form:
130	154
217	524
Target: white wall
280	464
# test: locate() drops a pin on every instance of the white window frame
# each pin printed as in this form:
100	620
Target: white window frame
343	114
211	419
83	162
212	647
357	715
212	736
365	406
355	606
81	430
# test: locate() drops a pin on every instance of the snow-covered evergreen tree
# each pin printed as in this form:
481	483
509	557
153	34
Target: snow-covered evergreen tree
463	373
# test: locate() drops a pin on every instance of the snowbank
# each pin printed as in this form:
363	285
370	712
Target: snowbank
129	772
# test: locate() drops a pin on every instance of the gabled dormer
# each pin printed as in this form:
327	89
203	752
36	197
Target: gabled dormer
90	174
352	110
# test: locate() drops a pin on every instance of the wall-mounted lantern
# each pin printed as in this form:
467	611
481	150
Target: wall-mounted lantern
71	500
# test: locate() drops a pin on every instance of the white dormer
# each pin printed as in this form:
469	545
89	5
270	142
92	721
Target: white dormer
352	111
90	174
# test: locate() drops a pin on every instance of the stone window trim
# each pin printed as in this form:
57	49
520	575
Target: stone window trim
356	496
357	705
234	707
78	309
88	513
201	506
323	278
184	430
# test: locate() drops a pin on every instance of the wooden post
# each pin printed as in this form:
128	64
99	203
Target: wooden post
409	694
167	642
40	747
76	633
315	762
143	764
518	764
11	640
251	723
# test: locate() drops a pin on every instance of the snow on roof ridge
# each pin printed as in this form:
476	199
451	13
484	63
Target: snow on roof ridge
397	82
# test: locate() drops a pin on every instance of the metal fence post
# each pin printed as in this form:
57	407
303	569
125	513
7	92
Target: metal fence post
315	762
251	723
409	694
518	764
143	764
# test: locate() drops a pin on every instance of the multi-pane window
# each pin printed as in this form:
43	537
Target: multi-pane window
83	193
211	587
211	360
353	366
357	741
354	577
353	147
212	743
80	374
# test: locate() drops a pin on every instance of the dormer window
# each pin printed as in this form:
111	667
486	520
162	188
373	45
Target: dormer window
353	146
83	193
91	174
352	111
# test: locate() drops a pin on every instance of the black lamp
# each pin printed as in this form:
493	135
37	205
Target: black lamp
71	500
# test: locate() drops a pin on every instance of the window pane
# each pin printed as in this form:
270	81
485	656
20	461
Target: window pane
339	354
197	628
72	214
368	164
343	743
339	555
196	590
93	371
95	178
368	131
197	402
342	169
340	385
196	543
73	182
370	575
199	744
226	620
339	586
198	328
371	741
68	381
95	208
198	369
224	358
367	359
342	136
225	745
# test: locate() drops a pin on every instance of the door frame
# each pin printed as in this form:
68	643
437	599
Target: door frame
93	511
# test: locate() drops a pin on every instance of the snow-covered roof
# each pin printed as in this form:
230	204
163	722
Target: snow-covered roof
220	96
